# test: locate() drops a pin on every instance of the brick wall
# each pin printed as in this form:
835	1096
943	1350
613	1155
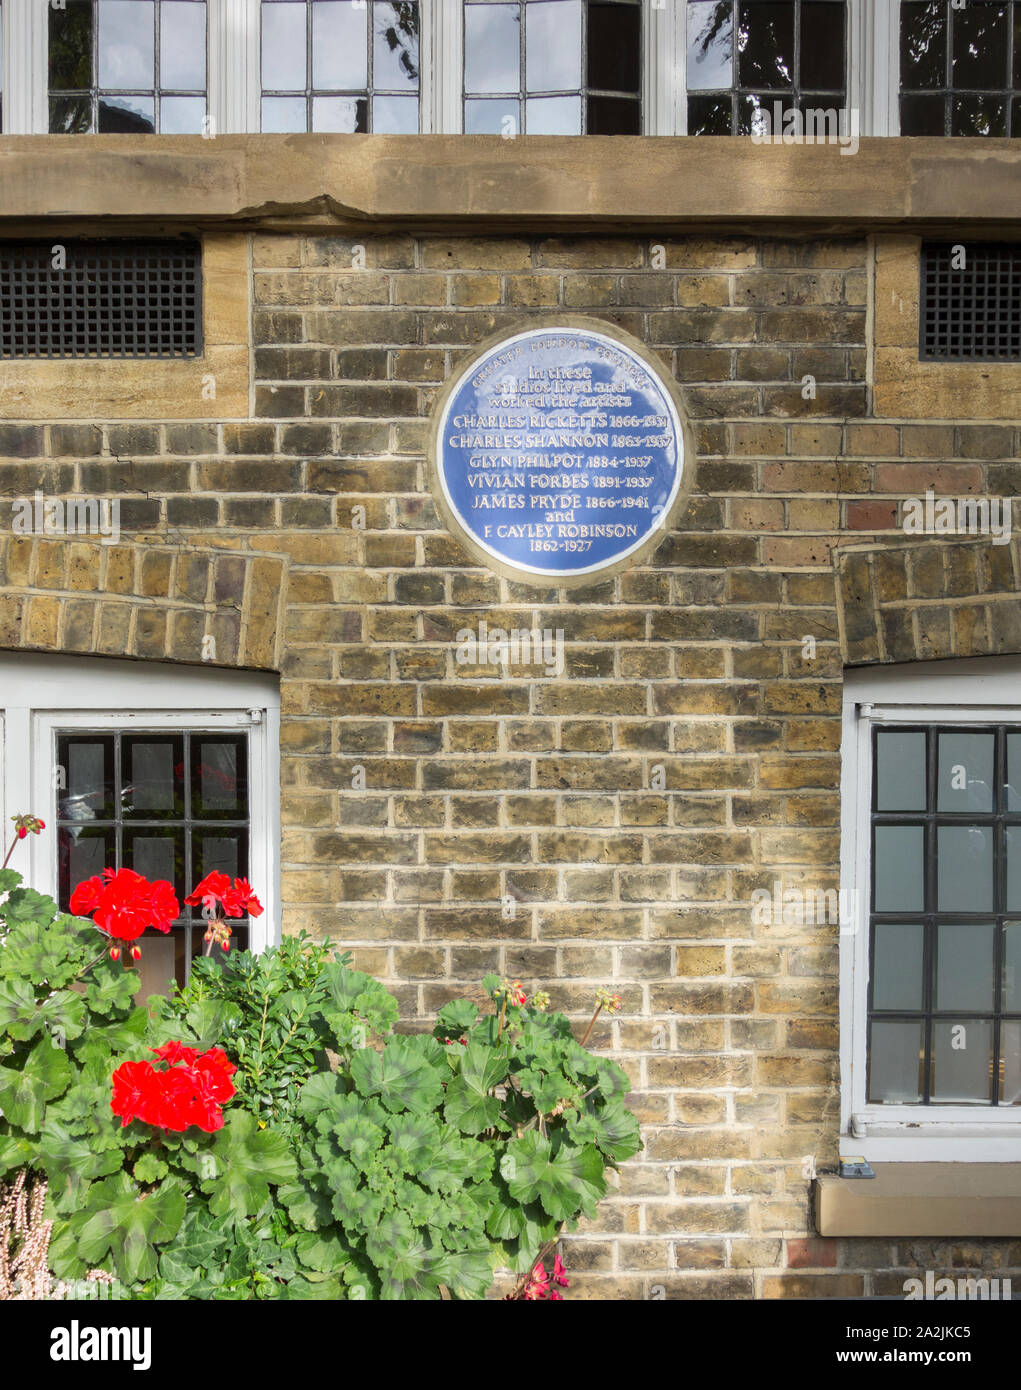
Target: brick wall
688	755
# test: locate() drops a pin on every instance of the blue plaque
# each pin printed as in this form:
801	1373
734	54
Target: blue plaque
559	452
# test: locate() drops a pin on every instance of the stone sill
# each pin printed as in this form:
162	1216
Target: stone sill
535	183
922	1199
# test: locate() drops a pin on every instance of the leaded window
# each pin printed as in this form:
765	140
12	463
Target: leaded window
945	898
960	69
553	67
127	67
346	66
745	56
171	805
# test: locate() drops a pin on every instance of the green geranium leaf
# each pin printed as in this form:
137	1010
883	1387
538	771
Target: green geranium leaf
130	1224
469	1106
247	1161
456	1017
23	1094
111	991
149	1168
9	880
407	1075
562	1178
612	1129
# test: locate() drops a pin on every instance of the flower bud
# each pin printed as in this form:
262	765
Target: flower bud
115	953
136	953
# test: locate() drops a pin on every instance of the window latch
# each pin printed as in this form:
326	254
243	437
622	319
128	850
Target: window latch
255	715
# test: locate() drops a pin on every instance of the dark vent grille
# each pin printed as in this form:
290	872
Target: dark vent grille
110	299
972	313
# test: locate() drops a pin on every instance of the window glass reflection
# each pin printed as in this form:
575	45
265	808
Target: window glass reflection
341	67
126	66
957	73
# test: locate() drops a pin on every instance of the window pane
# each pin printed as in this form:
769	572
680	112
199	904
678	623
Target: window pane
615	48
339	47
1010	1063
1013	848
765	45
898	868
553	116
614	116
88	773
980	46
127	115
965	763
182	115
219	776
395	55
70	115
922	116
709	115
283	51
182	46
1017	47
964	967
219	852
70	58
978	115
492	117
491	48
126	44
710	47
962	1061
282	114
964	868
83	852
553	45
822	46
900	771
895	1062
923	43
395	115
158	854
153	772
1012	967
897	966
1013	800
342	115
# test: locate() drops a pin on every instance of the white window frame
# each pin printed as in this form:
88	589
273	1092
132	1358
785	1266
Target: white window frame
40	695
979	690
235	78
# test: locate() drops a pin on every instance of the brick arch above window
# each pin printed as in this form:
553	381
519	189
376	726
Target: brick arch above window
153	602
928	600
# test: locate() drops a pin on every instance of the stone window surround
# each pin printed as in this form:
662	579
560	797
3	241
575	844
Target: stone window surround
235	80
905	387
147	388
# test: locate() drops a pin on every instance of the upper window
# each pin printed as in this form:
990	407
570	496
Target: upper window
127	67
960	69
745	56
340	65
553	67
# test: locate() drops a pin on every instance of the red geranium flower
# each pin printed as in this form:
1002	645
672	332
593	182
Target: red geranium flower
216	890
189	1090
123	903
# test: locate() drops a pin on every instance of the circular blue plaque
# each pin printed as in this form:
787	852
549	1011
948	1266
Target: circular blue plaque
559	452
